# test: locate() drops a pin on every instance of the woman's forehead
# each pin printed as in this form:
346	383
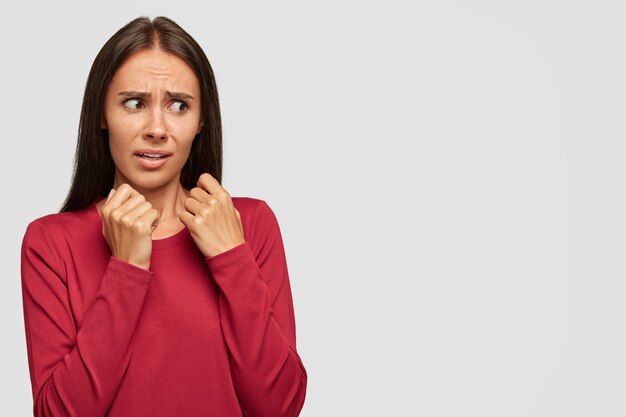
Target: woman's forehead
152	68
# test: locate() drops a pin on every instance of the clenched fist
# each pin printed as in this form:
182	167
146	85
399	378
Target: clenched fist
211	217
128	221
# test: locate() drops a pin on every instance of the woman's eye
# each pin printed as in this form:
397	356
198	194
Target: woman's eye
133	103
179	106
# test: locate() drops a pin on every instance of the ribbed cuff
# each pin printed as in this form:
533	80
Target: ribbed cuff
229	256
130	269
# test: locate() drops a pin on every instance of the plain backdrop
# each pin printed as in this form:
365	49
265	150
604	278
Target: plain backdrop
448	178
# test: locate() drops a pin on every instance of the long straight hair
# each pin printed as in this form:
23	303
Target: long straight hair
94	169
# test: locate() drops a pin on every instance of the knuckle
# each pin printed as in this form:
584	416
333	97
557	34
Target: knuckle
126	221
204	211
116	214
139	226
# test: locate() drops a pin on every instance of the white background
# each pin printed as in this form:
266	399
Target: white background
448	178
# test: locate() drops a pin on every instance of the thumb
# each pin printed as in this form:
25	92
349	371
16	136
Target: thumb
110	195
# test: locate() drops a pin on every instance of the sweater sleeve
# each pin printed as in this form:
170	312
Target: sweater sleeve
258	323
76	372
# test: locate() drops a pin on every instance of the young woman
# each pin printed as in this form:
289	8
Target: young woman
154	292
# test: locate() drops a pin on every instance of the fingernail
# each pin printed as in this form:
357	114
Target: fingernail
110	194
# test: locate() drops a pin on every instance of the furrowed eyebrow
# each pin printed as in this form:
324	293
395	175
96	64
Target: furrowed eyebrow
138	94
168	94
177	95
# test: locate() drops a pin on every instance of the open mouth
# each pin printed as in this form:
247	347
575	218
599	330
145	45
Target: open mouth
151	156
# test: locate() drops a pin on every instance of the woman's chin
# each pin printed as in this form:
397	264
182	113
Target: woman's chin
143	183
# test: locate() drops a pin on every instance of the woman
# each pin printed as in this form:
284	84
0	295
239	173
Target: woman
154	292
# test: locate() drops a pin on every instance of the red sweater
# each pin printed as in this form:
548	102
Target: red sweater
193	336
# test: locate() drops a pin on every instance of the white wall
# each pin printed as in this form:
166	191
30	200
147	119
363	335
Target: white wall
448	177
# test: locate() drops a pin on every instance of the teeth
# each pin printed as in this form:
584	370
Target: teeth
152	155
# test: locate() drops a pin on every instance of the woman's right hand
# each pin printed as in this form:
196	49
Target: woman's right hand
128	221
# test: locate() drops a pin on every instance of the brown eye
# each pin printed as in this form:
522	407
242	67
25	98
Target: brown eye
132	103
179	106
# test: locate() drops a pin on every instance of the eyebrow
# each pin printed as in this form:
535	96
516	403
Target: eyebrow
169	94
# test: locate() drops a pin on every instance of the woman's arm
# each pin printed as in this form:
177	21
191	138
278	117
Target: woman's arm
257	317
76	371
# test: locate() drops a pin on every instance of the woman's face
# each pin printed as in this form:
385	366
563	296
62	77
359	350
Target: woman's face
152	113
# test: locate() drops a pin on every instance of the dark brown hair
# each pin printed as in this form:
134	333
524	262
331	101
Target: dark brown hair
94	169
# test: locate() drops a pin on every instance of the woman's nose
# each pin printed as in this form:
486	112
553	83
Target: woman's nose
156	128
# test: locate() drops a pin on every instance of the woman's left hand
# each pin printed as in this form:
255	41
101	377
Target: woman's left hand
211	217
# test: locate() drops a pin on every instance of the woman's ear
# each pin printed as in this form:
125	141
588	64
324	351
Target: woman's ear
200	126
103	124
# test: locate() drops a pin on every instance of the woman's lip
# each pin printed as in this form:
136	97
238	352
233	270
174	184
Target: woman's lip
152	152
151	163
